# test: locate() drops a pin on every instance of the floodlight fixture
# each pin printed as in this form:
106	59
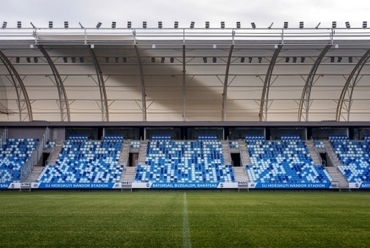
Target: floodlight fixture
271	25
207	25
162	59
286	25
28	59
32	25
98	25
303	59
259	59
214	46
332	59
124	59
294	59
176	25
253	25
301	25
107	59
192	24
318	25
73	59
336	46
339	59
92	46
116	59
238	25
66	24
65	59
82	60
5	24
153	46
144	24
250	59
172	59
32	46
287	59
114	25
276	46
50	24
81	25
204	59
153	59
214	59
334	24
222	25
35	59
129	25
19	24
364	24
160	25
17	59
242	59
348	25
350	59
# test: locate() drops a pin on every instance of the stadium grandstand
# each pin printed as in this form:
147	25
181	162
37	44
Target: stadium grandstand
184	108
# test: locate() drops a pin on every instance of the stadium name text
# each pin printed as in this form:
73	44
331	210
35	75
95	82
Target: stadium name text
184	185
289	185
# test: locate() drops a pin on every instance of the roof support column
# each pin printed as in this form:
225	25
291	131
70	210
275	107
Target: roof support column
267	84
226	84
306	93
63	99
101	84
20	90
183	84
351	82
143	95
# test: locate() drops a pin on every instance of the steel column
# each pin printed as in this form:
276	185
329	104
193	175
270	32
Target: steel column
63	99
19	88
101	84
143	95
351	83
183	84
306	93
267	84
226	82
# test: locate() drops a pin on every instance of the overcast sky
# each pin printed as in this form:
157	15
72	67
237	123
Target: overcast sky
262	12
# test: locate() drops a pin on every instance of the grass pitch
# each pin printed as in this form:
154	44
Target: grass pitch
191	219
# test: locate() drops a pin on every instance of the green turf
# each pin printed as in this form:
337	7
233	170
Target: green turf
157	219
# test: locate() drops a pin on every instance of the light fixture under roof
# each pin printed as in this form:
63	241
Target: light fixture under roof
50	24
17	60
19	24
172	59
116	59
207	24
287	59
339	59
348	25
107	59
259	59
242	59
334	24
144	24
364	24
163	59
286	25
33	26
129	24
153	59
176	25
294	59
73	59
253	25
238	25
5	24
28	59
301	25
160	25
124	60
82	60
318	25
114	25
65	59
250	59
192	24
271	25
98	25
214	59
303	59
66	24
222	25
79	23
204	59
350	59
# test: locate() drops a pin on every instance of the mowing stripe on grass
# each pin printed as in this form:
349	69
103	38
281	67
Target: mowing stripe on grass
186	240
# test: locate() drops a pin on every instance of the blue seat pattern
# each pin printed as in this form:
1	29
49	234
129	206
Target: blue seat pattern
284	161
82	161
354	155
184	162
13	154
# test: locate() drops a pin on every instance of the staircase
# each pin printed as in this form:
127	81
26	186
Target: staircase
226	152
34	174
240	174
128	174
314	155
54	156
336	175
333	158
142	152
125	153
244	155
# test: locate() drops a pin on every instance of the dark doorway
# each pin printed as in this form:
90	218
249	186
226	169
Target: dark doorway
132	159
323	158
45	156
235	158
